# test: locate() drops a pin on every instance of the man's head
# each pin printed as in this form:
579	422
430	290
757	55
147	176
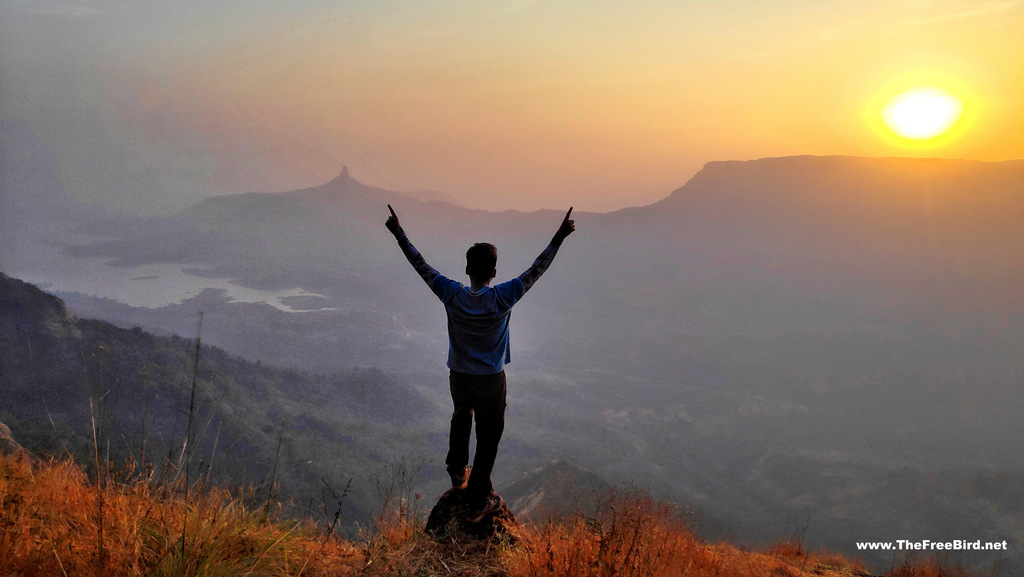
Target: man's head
481	259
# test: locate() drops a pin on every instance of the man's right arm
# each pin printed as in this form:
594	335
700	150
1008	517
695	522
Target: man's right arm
426	272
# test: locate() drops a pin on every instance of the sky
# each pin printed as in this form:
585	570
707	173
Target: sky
150	106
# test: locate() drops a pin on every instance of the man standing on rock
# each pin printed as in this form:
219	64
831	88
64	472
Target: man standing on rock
478	349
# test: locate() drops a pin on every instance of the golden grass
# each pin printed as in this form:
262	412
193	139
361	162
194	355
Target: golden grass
51	516
927	568
631	534
50	525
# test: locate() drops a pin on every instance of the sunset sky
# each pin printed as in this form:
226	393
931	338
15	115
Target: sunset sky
521	104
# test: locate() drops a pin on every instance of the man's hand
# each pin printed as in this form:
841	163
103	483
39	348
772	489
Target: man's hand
544	260
392	222
567	228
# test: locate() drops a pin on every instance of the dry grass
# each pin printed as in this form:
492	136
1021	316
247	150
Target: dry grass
631	534
51	516
50	525
926	568
628	535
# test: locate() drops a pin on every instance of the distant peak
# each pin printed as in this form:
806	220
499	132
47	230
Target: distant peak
344	177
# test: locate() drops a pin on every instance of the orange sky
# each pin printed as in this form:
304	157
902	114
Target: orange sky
522	104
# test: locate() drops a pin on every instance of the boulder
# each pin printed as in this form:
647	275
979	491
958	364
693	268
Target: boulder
447	520
8	446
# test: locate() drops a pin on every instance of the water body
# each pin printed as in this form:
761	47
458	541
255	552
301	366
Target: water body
43	263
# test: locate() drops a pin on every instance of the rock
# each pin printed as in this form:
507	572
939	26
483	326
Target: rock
447	520
8	446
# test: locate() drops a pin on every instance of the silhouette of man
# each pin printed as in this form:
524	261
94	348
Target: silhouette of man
478	349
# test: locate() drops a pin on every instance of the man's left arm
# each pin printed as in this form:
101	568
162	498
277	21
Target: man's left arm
547	256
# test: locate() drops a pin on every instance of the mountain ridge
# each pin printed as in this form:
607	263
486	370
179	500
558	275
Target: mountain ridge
723	198
345	181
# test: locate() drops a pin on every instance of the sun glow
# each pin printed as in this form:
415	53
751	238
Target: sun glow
922	113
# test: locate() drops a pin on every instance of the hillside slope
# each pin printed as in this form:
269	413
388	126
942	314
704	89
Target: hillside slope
252	423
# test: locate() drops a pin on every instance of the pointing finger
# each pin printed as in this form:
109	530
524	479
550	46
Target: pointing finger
393	211
568	213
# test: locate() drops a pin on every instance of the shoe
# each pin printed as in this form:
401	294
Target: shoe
491	506
459	482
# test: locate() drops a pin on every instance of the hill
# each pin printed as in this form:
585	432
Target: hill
61	376
829	337
555	490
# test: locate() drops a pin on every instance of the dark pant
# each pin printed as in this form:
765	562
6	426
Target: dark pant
483	396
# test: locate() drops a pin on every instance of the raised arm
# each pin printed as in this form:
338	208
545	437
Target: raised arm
426	272
543	261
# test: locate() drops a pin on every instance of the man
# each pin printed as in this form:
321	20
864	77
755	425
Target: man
478	349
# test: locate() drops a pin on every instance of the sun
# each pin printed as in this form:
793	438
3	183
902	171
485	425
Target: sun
922	113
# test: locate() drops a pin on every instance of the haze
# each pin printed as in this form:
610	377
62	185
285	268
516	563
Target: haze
150	106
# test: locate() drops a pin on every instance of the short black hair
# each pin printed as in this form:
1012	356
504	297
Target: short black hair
481	258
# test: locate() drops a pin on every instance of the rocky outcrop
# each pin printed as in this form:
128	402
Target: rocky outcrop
8	446
447	520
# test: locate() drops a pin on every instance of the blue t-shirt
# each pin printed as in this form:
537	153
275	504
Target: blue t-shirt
478	341
478	321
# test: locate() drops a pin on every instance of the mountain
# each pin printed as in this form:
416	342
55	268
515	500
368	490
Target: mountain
863	229
841	224
859	281
831	334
